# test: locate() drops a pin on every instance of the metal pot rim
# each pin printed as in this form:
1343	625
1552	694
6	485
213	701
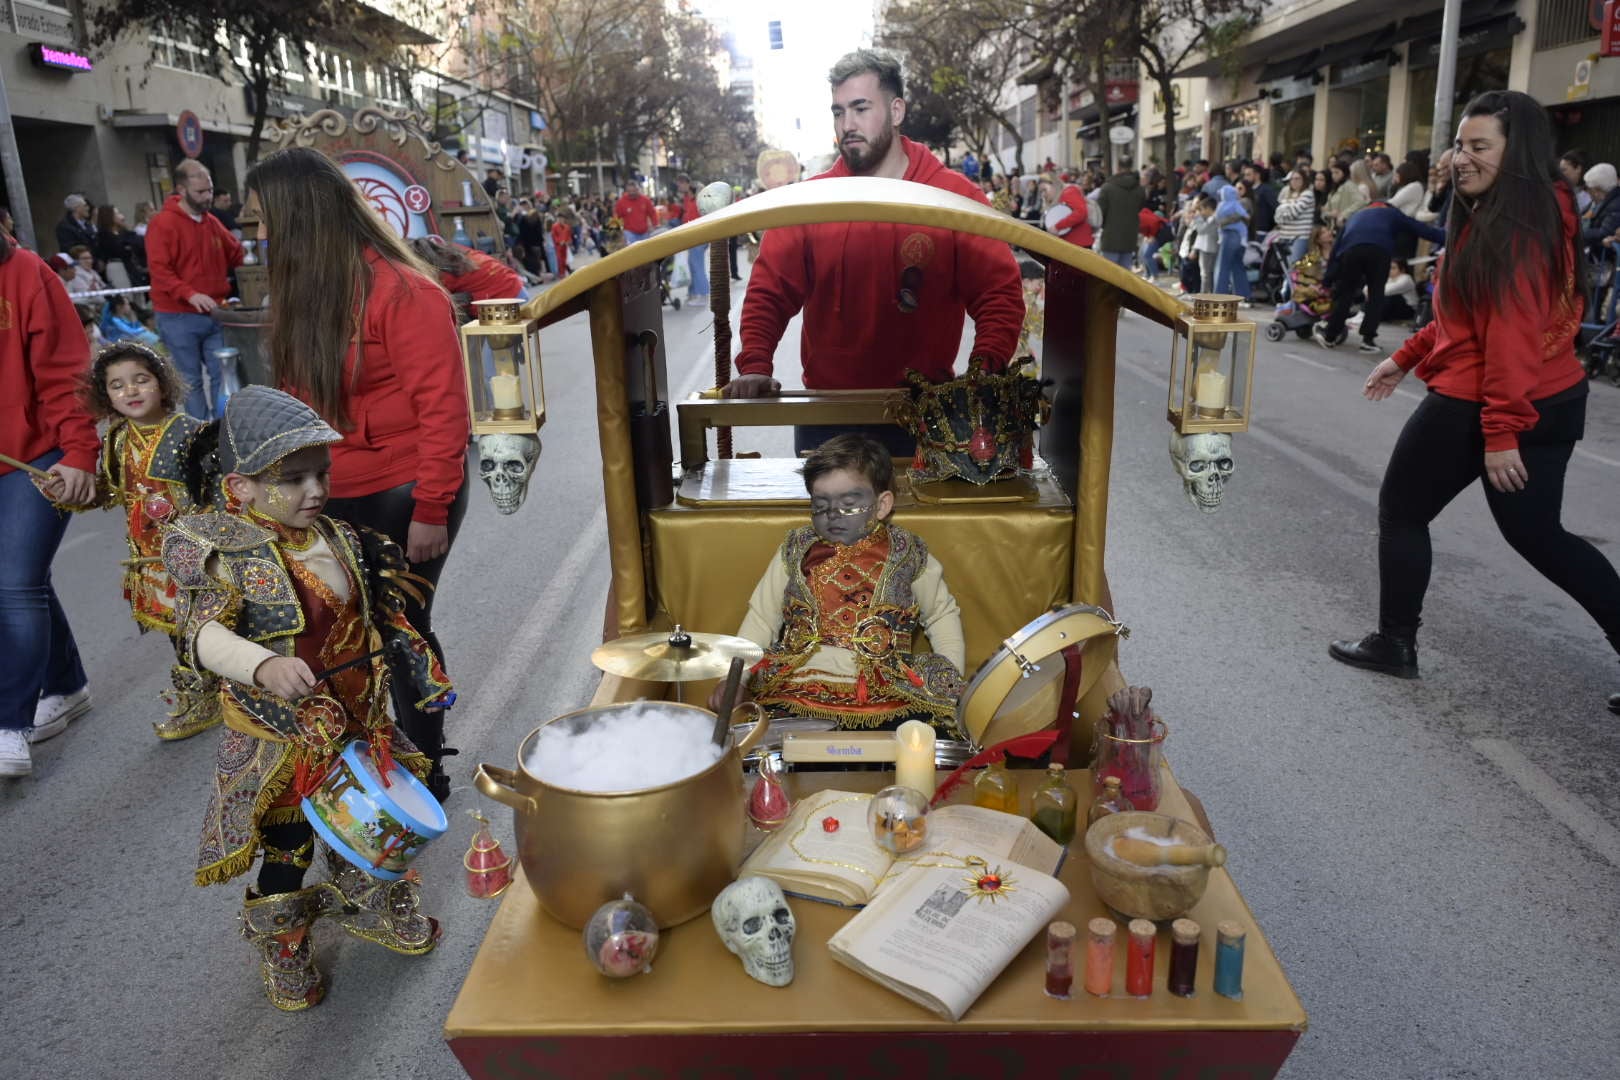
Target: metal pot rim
523	769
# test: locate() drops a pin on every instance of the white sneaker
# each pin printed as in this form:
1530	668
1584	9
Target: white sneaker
53	714
15	760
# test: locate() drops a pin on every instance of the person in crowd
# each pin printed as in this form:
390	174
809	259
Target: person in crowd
144	213
1233	221
1206	245
636	212
1030	208
224	211
1304	159
1406	193
877	298
1381	173
1121	200
561	237
1296	216
1064	211
189	255
493	179
697	258
1155	233
75	228
42	683
1264	193
1361	176
83	279
393	385
1322	188
1245	193
1572	166
116	242
1438	197
1345	196
467	272
1360	264
1214	180
1507	398
532	239
1400	293
1603	224
120	323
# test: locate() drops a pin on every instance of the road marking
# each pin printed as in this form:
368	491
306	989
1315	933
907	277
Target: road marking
1312	363
1599	458
1570	811
82	538
513	670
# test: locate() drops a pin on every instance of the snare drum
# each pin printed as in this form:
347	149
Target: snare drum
1016	691
377	828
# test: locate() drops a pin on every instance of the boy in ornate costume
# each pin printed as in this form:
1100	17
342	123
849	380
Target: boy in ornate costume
272	593
838	609
143	470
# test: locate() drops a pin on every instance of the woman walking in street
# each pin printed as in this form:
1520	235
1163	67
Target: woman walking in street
363	333
1507	396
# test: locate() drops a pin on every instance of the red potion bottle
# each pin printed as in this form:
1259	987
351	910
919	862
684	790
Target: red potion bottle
768	804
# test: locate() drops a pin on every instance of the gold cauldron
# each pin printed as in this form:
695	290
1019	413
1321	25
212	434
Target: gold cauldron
672	847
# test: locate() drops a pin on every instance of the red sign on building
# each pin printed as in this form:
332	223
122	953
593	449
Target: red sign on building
1611	29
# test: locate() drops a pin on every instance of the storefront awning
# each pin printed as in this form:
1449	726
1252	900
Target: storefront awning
1472	40
1473	13
1292	68
1357	49
1116	114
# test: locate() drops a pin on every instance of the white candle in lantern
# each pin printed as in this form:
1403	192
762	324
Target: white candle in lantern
1211	393
504	392
914	762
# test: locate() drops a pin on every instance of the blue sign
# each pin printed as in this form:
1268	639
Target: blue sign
190	133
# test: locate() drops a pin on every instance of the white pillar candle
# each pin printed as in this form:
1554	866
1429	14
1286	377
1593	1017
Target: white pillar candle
504	392
914	761
1210	392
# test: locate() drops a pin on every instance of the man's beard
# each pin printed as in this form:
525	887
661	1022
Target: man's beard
194	208
863	157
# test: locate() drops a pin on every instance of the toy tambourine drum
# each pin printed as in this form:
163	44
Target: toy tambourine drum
1016	691
377	827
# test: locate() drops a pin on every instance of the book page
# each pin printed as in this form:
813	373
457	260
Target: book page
803	852
954	832
937	940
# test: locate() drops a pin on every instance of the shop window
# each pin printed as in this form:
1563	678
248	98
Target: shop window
1475	75
1237	125
1292	124
173	47
1026	118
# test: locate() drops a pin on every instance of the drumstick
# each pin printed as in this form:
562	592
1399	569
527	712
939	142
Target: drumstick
37	474
1147	853
356	662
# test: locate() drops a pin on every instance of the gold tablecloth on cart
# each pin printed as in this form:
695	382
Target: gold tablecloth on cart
532	1005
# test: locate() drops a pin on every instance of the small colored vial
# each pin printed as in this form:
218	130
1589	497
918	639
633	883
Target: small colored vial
1059	960
1184	935
1139	958
1229	938
1100	956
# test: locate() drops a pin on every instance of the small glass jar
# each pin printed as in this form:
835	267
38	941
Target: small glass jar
1059	959
1054	808
1111	801
996	789
1134	761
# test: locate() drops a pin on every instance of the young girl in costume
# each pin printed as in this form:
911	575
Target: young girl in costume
142	471
838	609
273	592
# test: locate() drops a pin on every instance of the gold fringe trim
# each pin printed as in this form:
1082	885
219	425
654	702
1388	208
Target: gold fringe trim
240	861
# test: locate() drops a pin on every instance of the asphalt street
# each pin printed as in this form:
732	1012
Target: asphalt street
1435	862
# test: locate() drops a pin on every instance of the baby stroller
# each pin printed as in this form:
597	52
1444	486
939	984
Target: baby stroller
666	273
1308	304
1272	273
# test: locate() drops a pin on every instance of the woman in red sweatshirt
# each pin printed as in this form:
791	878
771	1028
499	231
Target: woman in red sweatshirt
43	355
362	331
1507	397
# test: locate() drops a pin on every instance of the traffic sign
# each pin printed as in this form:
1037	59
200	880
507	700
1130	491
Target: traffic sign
190	133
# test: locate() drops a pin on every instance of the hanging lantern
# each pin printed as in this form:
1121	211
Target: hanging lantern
501	352
1211	367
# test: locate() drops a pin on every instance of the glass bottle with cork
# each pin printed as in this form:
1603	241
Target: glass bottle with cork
1054	806
1111	801
996	789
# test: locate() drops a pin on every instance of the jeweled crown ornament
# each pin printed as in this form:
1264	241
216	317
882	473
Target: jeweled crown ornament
973	428
489	869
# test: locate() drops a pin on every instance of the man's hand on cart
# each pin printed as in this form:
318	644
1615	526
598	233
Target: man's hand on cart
753	386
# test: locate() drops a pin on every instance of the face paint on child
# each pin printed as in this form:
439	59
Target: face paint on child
134	391
293	491
844	508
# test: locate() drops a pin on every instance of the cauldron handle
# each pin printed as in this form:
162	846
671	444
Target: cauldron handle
501	785
762	724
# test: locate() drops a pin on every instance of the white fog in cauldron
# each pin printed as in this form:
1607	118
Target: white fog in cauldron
640	746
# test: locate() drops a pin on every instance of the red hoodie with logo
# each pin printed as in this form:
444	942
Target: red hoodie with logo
846	277
187	256
1508	354
43	355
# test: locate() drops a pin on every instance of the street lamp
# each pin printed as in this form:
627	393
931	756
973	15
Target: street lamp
1211	367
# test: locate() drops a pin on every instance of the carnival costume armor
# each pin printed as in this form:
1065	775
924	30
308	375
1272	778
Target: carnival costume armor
252	589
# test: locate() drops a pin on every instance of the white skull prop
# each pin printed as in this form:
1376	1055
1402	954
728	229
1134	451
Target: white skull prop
506	462
715	196
754	920
1205	464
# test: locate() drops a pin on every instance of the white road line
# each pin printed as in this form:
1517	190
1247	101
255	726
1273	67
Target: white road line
1599	458
1570	811
1309	361
81	538
511	673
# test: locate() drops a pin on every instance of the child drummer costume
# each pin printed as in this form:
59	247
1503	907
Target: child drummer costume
253	589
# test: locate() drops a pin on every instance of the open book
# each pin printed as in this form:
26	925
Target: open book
846	866
938	938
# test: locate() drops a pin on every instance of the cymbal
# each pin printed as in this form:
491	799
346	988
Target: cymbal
673	655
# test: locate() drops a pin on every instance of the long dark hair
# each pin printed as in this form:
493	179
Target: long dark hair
319	227
1519	220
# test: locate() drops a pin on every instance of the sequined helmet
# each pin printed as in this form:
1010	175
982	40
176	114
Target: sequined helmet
263	425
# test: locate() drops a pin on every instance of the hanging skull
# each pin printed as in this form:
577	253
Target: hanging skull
1205	464
754	920
714	197
506	462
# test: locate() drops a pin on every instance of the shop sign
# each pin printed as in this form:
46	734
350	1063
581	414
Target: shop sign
1366	71
1473	41
1120	92
54	59
1611	31
190	133
35	21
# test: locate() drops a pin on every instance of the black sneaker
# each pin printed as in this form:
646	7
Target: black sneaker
1379	652
1319	335
1614	704
1370	347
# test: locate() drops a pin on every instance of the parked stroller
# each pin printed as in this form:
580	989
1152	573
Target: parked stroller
1270	271
1308	303
666	274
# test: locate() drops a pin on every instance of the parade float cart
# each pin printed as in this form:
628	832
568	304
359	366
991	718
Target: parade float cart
687	540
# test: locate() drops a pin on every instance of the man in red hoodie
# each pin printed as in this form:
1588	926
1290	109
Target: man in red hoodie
190	255
635	212
877	298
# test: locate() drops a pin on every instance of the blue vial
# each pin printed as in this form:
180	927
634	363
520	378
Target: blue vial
1229	938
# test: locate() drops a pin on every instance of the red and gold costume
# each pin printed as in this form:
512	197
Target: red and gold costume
838	623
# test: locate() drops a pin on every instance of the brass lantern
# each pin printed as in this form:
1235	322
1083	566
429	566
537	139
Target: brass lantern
501	352
1211	367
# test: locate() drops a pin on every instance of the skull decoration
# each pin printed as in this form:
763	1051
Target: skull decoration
754	920
715	196
506	462
1205	464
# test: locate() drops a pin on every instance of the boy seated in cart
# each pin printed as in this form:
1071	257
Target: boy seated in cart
838	609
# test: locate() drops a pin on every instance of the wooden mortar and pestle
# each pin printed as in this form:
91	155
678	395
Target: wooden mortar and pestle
1150	866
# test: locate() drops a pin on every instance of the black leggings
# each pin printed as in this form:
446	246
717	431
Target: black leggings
1365	266
389	512
1439	453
